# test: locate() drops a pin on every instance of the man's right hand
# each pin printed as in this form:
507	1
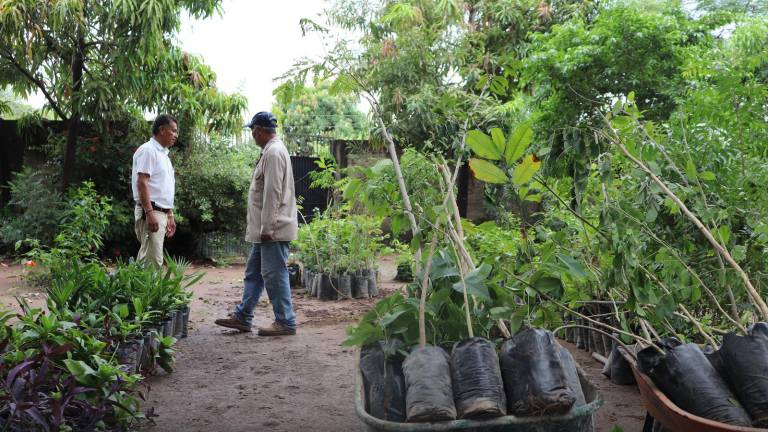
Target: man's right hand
152	223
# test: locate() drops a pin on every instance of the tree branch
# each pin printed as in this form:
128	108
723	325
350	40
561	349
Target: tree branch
37	82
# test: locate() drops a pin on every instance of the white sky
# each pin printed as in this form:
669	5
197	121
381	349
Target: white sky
253	42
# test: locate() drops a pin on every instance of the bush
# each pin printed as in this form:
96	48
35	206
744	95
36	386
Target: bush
212	187
83	225
345	245
34	211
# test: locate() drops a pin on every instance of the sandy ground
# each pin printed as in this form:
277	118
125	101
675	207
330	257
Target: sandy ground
229	381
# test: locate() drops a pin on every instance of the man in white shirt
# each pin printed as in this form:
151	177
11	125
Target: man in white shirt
272	225
154	186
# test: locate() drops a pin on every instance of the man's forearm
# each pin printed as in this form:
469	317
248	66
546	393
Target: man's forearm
144	199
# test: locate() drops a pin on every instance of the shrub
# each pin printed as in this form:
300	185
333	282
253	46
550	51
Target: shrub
34	211
212	187
84	222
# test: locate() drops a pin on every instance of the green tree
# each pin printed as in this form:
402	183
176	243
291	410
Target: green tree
103	61
318	113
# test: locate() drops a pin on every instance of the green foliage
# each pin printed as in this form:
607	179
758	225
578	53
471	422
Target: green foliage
109	63
376	189
62	376
212	186
341	245
80	234
35	208
396	316
312	113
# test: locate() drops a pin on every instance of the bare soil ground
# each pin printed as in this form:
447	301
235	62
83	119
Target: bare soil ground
229	381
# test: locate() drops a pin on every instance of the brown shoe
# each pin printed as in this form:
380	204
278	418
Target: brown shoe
276	329
233	322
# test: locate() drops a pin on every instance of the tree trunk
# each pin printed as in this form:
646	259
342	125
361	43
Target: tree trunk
73	129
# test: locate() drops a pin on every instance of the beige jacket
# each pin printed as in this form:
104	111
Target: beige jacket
271	198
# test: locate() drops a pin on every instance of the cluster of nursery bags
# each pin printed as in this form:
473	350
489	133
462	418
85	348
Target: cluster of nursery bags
532	376
729	385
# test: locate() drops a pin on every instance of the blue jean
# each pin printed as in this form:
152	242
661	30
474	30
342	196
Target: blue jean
267	267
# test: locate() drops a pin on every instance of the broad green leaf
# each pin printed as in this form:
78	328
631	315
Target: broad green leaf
500	312
475	282
487	171
525	171
575	269
549	285
707	176
499	85
724	233
498	140
482	145
392	316
83	373
517	320
518	142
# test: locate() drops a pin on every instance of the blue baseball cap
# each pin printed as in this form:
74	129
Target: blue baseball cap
263	119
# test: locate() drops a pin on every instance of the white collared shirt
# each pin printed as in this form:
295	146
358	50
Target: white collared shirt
152	158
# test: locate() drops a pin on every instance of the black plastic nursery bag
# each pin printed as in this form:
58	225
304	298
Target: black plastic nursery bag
534	379
572	376
690	381
429	394
383	382
745	361
478	389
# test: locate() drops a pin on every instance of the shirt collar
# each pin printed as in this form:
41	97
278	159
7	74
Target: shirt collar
158	146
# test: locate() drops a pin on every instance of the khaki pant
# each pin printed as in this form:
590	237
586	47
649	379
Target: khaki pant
151	242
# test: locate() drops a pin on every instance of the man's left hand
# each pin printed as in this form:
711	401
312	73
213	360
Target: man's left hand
170	229
266	238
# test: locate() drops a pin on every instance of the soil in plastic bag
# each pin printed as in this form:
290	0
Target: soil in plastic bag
745	360
478	390
534	380
759	329
294	275
383	381
620	370
713	355
429	394
572	376
689	380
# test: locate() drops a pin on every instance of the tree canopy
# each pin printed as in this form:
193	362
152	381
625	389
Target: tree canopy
83	56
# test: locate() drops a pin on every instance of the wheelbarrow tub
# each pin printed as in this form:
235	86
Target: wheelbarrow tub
672	417
579	419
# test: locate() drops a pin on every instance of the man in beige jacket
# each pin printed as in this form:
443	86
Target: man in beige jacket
272	224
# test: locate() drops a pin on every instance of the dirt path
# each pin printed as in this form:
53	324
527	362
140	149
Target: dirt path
227	381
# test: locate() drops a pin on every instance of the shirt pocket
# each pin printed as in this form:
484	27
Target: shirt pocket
259	172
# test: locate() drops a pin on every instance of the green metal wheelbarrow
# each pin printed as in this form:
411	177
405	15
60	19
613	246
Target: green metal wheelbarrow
579	419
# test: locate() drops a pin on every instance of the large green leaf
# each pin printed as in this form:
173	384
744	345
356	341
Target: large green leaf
525	171
487	171
475	282
498	140
518	142
575	269
482	145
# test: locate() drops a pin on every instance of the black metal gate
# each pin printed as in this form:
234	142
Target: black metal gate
310	200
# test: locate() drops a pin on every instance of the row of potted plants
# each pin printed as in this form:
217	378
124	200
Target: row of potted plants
339	256
78	365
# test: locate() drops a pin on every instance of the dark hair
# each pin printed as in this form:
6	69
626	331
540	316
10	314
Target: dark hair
162	120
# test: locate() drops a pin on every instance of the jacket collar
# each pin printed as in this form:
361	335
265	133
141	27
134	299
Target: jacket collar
269	144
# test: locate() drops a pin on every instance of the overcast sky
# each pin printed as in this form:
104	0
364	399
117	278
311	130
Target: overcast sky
252	43
248	45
